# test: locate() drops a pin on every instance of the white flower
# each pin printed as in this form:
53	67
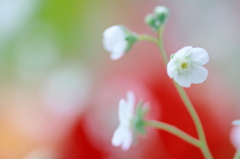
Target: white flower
114	41
123	135
186	66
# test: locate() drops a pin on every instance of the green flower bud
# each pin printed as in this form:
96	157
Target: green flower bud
161	13
150	20
153	22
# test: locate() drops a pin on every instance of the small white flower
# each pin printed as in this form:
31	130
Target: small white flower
186	66
123	135
114	41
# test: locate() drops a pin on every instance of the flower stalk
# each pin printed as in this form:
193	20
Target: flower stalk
201	143
203	146
173	130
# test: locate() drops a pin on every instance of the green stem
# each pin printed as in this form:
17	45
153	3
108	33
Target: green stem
204	147
161	45
173	130
145	37
191	110
237	154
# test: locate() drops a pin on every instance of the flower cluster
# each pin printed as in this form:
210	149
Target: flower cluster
185	67
158	18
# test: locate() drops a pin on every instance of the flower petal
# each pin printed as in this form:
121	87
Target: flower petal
118	49
123	111
127	142
130	101
185	51
171	68
198	74
117	54
114	41
118	136
183	80
109	35
199	56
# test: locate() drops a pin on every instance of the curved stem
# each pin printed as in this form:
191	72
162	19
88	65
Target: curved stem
237	154
145	37
173	130
204	147
191	111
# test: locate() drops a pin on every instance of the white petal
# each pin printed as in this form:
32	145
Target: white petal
171	68
118	49
183	80
127	142
131	101
118	136
108	37
183	52
117	54
123	111
198	74
199	56
114	40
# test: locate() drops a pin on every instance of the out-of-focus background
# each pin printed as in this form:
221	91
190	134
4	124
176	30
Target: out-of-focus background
60	89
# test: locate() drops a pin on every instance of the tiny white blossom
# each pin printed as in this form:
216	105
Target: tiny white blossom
123	135
186	66
114	41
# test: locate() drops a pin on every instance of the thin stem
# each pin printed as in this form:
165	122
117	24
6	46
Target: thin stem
161	46
173	130
237	154
204	147
146	37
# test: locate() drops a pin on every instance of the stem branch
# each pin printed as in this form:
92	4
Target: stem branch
145	37
174	130
203	146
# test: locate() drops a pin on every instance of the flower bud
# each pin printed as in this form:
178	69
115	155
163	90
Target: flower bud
153	22
150	20
118	40
161	13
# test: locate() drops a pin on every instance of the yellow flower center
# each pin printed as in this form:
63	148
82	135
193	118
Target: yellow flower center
184	65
